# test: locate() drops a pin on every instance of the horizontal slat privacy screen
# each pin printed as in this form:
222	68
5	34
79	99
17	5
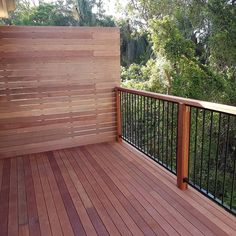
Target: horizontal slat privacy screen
57	87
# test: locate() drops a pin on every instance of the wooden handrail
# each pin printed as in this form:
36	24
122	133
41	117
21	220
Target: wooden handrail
180	100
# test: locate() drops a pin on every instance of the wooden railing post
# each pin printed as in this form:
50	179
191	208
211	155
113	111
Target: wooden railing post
183	145
118	115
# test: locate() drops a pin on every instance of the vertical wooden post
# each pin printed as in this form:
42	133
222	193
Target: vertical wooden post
183	145
118	115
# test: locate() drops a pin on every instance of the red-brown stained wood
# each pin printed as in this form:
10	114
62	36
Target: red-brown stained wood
1	169
50	204
70	208
99	200
191	102
63	217
167	183
160	205
40	201
13	208
118	189
118	116
162	198
162	223
47	76
135	212
4	198
67	174
183	145
22	206
34	228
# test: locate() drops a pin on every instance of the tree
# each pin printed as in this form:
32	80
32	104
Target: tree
92	13
135	46
61	13
198	44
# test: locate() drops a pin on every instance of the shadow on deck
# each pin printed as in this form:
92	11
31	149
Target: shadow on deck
101	189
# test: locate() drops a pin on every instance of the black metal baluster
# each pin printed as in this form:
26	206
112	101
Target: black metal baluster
233	176
217	155
202	148
209	152
163	127
143	119
149	118
139	120
132	118
151	129
136	120
225	158
167	136
190	126
155	128
172	131
159	132
146	125
195	148
125	115
176	146
127	121
135	129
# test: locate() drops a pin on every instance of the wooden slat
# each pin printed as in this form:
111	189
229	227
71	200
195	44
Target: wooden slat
4	197
40	201
63	217
50	204
72	185
34	228
70	208
56	76
1	169
22	205
13	209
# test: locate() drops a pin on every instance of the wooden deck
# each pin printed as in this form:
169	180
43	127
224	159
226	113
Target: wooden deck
102	189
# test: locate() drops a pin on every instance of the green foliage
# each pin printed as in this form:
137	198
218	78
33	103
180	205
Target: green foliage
147	77
135	47
176	69
222	39
168	40
88	17
61	13
56	13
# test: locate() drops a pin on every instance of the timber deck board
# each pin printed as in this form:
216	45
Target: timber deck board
101	189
